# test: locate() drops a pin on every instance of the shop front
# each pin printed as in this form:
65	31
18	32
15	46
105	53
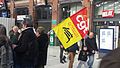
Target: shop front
106	16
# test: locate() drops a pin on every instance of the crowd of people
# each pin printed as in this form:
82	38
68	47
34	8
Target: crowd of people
25	48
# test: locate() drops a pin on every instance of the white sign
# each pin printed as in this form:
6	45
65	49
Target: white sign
108	13
106	39
21	17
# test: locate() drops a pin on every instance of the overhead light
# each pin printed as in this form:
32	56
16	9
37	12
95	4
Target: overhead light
97	5
105	2
111	21
116	2
63	9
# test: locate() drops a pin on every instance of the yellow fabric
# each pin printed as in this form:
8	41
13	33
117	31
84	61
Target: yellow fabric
67	33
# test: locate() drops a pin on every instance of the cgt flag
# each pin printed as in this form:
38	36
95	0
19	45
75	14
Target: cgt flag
72	29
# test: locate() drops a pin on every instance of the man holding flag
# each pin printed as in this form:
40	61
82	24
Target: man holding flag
72	29
91	44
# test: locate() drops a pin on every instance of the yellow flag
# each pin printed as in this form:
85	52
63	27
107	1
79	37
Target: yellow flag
67	33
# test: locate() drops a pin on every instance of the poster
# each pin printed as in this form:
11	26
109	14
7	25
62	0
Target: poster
106	39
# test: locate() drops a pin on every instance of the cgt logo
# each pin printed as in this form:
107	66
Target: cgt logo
82	25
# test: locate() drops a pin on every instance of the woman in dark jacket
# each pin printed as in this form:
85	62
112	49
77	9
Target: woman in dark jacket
42	39
6	52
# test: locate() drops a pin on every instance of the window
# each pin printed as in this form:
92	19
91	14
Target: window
65	11
102	5
22	11
43	12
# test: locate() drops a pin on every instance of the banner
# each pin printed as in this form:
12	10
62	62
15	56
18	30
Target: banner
72	29
80	21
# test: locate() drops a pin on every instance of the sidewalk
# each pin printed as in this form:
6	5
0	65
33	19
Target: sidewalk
53	59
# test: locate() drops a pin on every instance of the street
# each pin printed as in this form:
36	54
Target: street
53	59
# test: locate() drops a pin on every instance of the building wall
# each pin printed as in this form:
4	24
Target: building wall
56	9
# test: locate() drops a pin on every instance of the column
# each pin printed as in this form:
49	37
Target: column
12	9
32	12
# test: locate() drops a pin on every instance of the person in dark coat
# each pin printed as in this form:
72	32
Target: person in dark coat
26	50
91	47
6	51
111	60
42	39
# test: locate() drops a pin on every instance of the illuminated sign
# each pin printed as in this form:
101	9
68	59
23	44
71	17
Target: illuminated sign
108	13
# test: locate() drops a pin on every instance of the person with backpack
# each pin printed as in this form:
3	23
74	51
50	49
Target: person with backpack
83	54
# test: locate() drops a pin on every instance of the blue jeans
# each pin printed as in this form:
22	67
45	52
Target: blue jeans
81	63
24	66
90	60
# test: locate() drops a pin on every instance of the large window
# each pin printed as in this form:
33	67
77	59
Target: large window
104	5
70	9
43	12
22	11
65	11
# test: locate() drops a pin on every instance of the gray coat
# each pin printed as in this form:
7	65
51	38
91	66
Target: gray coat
6	53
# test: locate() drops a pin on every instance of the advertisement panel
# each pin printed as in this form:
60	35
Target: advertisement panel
106	39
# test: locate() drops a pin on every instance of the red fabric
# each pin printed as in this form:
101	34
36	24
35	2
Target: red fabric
80	21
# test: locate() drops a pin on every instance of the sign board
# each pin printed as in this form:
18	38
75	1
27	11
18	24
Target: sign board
106	39
54	22
4	14
51	38
21	17
108	13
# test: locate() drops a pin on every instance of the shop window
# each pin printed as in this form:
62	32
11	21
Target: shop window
65	11
22	11
104	5
43	12
70	9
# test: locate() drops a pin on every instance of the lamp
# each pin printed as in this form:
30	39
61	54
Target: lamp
91	1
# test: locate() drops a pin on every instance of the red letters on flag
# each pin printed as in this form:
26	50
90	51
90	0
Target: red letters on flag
80	21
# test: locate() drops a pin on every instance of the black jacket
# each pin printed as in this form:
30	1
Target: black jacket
83	54
43	46
26	51
91	45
